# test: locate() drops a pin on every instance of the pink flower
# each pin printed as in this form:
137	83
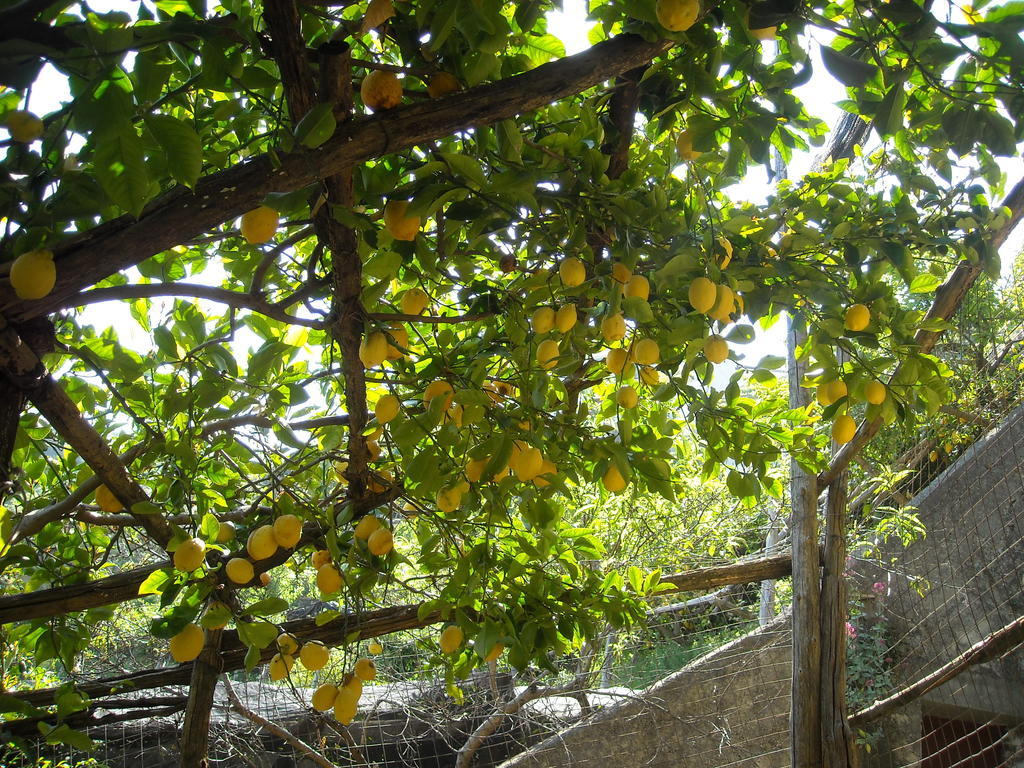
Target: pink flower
851	631
878	587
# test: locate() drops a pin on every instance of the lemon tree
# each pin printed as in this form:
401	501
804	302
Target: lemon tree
274	270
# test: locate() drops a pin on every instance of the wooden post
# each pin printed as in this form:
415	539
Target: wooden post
766	607
195	732
805	711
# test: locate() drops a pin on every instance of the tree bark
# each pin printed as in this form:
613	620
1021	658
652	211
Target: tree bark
195	731
805	720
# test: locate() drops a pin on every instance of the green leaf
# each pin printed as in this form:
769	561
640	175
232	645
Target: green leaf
182	146
154	582
851	72
317	126
120	165
259	634
889	117
267	607
465	166
924	283
145	508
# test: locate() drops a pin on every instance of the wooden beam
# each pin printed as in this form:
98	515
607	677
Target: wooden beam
202	685
180	215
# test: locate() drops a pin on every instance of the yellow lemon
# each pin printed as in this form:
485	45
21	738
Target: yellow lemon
345	709
365	670
764	33
323	697
613	328
475	470
189	555
33	274
259	224
725	304
621	273
565	318
451	639
448	499
650	376
328	579
646	352
187	644
875	392
287	644
684	146
261	543
857	318
265	579
836	390
627	397
716	349
375	648
637	287
677	15
387	408
226	532
367	525
843	429
822	394
107	501
314	656
320	557
572	272
239	570
442	84
547	354
373	349
703	295
529	463
547	468
380	542
439	388
398	341
280	666
287	531
495	652
616	360
613	481
542	320
400	226
380	90
23	126
414	301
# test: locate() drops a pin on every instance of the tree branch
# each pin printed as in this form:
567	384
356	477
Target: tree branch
180	214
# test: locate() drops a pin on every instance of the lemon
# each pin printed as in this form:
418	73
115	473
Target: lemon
677	15
565	318
451	639
380	542
613	481
621	273
725	304
400	226
398	341
616	360
650	376
475	470
646	352
261	543
933	456
323	697
442	84
822	394
414	301
857	318
352	689
764	33
843	429
345	709
638	287
380	90
328	579
287	644
365	670
259	224
189	555
438	388
716	349
448	500
33	274
373	349
239	570
187	644
23	126
542	320
684	146
367	525
837	390
320	557
280	666
265	579
875	392
107	501
547	354
703	295
547	467
627	397
529	463
572	272
496	650
287	531
315	655
613	327
226	532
